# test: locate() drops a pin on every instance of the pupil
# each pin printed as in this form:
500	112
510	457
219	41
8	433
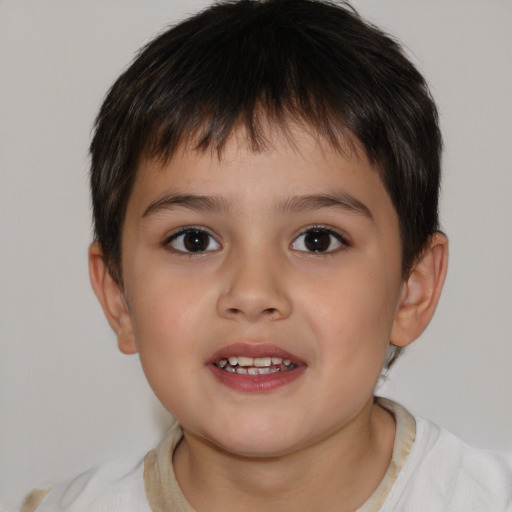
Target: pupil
195	241
317	241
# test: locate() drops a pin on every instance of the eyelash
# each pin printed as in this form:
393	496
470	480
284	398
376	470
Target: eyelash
187	230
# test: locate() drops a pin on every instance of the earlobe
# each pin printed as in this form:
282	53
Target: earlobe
112	300
421	292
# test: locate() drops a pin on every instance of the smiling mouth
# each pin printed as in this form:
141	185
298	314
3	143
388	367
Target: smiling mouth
255	365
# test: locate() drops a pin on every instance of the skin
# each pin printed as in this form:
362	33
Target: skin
259	283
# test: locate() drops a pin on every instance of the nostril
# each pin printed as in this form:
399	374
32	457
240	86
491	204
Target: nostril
266	311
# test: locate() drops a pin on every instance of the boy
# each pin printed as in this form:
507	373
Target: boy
265	180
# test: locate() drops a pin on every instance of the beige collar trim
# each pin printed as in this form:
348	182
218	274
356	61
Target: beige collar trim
164	493
404	439
162	489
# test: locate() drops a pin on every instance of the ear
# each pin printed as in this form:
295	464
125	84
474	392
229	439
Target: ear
112	300
421	292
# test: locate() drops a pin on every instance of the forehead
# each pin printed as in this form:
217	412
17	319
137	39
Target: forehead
292	162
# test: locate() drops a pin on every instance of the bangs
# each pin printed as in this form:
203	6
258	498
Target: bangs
262	74
256	127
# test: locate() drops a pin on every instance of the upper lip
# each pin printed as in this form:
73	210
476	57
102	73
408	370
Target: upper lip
253	349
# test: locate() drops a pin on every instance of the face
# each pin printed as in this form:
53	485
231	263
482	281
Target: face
261	290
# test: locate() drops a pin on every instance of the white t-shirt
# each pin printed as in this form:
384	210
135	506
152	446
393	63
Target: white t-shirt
431	471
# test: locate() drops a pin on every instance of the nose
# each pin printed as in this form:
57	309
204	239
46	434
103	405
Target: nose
254	288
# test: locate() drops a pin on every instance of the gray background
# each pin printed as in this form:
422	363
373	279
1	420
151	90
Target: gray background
68	399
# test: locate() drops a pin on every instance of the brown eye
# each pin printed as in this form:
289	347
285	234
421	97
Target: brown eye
318	240
193	240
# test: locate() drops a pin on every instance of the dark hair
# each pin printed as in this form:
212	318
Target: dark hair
240	63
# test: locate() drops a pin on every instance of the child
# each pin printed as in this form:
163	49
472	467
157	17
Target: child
265	185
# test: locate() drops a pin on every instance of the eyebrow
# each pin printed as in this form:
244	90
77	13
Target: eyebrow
294	204
189	201
340	200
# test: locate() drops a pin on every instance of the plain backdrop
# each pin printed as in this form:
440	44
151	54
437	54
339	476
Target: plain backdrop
68	399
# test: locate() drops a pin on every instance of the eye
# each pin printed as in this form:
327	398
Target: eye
319	240
190	240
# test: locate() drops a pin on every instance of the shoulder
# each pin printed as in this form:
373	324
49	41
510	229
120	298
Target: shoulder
115	486
444	473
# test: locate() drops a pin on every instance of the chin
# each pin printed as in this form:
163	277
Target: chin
255	440
258	449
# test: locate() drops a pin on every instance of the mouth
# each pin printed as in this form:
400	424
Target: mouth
254	367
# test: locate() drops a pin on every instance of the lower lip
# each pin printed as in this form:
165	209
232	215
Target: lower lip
256	383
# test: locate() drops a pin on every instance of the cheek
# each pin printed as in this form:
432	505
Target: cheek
352	313
166	321
165	311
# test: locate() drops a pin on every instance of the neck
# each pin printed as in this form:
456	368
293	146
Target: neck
338	473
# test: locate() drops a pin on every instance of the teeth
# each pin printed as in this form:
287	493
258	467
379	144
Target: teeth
265	371
262	362
257	371
245	361
255	366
